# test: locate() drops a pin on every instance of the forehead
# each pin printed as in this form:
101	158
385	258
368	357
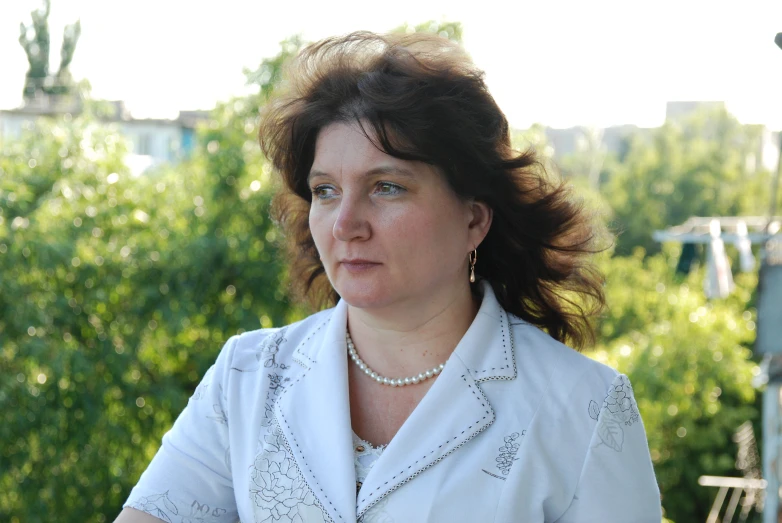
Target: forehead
342	149
344	146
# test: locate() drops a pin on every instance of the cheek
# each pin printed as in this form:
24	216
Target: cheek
320	229
425	235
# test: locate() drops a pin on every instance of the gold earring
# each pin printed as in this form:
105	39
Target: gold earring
473	257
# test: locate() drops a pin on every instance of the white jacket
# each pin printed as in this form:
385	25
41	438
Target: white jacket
517	428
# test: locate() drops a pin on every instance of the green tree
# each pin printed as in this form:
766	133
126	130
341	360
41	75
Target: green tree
116	294
449	30
534	137
35	40
64	81
694	168
588	163
268	76
691	366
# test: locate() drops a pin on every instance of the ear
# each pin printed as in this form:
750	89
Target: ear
480	221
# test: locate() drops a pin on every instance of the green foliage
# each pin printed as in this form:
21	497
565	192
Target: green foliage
71	35
694	168
690	364
589	162
35	40
449	30
534	137
116	294
268	76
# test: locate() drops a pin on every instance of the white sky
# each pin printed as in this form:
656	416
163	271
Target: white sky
560	63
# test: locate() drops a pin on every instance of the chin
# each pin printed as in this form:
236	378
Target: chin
365	295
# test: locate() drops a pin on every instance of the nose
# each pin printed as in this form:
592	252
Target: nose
351	223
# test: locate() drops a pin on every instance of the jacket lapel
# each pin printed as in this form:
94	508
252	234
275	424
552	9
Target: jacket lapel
453	411
314	416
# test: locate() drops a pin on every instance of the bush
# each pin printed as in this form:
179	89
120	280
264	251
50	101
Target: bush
691	366
116	294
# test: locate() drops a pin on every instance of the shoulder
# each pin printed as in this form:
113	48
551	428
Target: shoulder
273	348
571	390
583	427
255	365
564	387
575	399
537	352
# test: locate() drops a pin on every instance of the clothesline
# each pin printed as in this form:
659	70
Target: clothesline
715	232
698	229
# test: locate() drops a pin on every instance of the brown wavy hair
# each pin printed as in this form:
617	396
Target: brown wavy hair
419	97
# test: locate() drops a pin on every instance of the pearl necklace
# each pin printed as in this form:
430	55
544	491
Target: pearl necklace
394	382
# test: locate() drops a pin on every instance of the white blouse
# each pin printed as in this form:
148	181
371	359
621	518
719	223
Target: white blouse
366	455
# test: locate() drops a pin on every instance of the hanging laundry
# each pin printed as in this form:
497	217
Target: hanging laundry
719	279
686	258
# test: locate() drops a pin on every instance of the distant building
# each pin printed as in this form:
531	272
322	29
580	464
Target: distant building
580	139
679	110
613	139
151	141
767	148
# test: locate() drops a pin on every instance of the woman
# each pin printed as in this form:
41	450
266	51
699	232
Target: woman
438	387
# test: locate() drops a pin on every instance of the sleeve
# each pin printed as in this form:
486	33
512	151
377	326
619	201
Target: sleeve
189	479
617	482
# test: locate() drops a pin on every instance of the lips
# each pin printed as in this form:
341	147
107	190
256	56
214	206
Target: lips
358	264
358	261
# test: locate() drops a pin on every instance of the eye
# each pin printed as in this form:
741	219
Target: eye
323	192
388	188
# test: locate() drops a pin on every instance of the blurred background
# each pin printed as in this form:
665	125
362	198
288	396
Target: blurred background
135	235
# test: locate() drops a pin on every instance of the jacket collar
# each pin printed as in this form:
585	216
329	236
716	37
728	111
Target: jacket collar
314	416
314	410
486	349
482	363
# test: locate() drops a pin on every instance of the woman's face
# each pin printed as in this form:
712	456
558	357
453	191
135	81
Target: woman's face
388	231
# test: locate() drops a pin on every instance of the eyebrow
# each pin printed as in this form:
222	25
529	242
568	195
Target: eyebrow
390	169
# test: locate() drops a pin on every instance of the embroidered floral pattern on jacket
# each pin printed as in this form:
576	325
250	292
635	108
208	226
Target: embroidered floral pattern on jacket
219	415
508	453
264	354
277	489
276	386
619	409
276	383
200	391
160	506
270	348
202	513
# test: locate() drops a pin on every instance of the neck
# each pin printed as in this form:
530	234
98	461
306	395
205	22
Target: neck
404	339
